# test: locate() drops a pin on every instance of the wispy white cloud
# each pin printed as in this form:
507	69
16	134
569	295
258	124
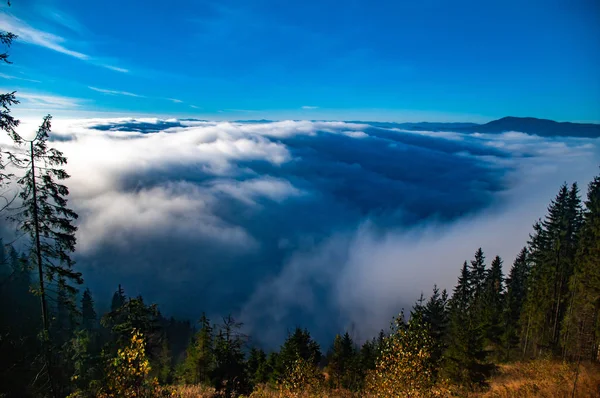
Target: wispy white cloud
115	92
129	94
10	77
195	107
308	107
37	37
115	68
64	20
48	101
30	35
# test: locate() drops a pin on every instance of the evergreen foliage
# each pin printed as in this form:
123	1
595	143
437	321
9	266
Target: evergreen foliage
435	315
516	290
343	366
465	359
552	250
581	325
199	363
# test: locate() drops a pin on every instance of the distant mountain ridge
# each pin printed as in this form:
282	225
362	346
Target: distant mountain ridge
528	125
541	127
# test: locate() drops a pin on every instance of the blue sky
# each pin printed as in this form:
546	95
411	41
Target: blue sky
368	60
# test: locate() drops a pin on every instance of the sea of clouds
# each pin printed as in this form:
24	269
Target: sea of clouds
331	226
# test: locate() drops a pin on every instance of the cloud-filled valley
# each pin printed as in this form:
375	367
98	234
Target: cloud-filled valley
305	223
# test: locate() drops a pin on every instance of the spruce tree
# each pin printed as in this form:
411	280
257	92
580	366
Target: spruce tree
552	251
516	290
478	274
44	216
435	315
20	347
118	299
199	362
465	358
136	316
343	361
230	377
89	319
581	326
493	307
63	324
298	345
257	366
368	355
7	123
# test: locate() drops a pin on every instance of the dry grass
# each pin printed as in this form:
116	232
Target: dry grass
540	378
544	378
195	391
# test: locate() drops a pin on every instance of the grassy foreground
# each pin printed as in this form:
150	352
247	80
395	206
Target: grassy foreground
544	378
539	378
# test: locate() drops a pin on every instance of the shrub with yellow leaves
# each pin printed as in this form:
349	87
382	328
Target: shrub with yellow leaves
127	373
404	367
303	377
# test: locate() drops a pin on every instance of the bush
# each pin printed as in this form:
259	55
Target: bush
127	373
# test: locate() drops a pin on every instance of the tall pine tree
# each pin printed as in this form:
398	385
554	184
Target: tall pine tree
465	358
89	319
581	326
552	251
435	315
199	362
493	307
516	290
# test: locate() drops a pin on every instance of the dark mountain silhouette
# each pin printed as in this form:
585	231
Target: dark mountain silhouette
541	127
528	125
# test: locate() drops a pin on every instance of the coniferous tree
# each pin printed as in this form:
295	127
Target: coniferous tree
581	326
513	302
199	363
343	361
43	215
118	299
85	363
89	319
298	345
136	315
20	359
164	363
368	355
7	122
465	358
552	251
493	306
380	340
273	364
63	324
435	315
477	275
257	366
229	374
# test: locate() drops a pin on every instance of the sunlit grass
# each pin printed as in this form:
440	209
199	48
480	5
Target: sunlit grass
540	378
